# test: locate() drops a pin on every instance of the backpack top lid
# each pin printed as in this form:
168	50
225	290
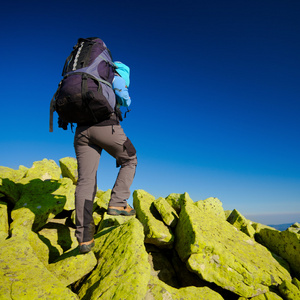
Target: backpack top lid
123	71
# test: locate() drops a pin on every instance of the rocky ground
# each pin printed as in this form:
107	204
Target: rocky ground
174	248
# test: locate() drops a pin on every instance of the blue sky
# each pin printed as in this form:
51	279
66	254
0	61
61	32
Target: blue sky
214	88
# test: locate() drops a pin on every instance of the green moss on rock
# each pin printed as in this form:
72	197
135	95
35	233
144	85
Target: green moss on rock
219	253
156	232
123	271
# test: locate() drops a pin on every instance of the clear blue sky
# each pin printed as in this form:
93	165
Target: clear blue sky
215	89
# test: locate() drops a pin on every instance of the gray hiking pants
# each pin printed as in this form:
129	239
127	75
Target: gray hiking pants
88	144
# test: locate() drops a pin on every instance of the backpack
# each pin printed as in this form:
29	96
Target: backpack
85	93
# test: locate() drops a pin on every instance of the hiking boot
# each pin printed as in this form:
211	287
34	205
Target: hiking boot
86	247
117	211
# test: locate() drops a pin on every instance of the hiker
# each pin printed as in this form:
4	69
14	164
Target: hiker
89	142
91	97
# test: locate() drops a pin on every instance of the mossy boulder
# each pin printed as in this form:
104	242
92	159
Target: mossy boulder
289	291
72	266
156	232
213	206
3	221
166	211
45	169
283	243
219	253
23	275
241	223
176	200
123	271
69	168
158	290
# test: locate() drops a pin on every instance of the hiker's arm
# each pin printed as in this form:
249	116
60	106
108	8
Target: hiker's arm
121	91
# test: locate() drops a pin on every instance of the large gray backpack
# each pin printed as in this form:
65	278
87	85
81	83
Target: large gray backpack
85	94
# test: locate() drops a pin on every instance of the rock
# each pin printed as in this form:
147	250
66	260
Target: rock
13	175
3	221
156	232
44	170
108	221
219	253
69	168
10	190
44	199
123	271
59	238
176	200
23	275
296	282
158	290
285	244
266	296
289	291
295	228
212	205
101	200
166	211
241	223
72	266
39	247
161	265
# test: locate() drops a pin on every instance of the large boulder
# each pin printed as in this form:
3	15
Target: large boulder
69	168
166	211
219	253
24	276
241	223
284	243
158	290
44	170
43	199
156	232
123	271
3	221
72	266
213	206
176	200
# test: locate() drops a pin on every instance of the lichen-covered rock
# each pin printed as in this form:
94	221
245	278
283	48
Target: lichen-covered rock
219	253
44	170
285	244
108	221
10	190
289	291
166	211
212	205
23	275
72	266
156	232
101	200
59	238
295	228
3	221
296	282
13	175
177	200
44	199
241	223
69	168
161	265
158	290
123	271
266	296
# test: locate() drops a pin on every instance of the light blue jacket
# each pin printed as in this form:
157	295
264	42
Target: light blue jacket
121	83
